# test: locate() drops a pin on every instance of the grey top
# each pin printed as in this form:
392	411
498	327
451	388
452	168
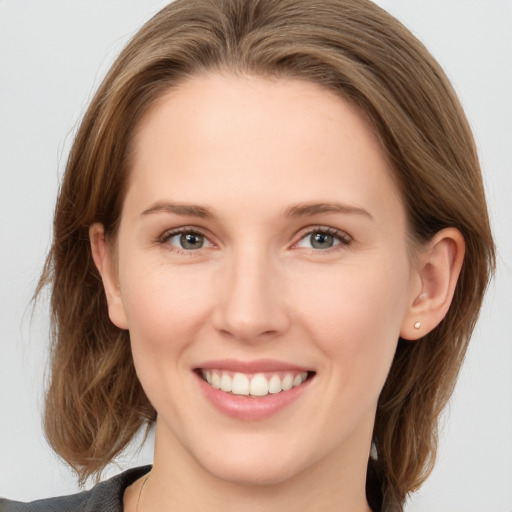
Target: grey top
106	496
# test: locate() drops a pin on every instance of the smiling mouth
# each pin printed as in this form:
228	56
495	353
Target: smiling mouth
253	385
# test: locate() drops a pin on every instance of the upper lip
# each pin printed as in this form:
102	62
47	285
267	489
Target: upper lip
256	366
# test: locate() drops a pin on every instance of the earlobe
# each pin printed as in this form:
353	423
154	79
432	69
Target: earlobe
438	271
104	261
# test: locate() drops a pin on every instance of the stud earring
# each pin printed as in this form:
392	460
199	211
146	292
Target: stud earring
417	325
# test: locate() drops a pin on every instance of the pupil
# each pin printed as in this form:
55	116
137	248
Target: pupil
321	240
191	241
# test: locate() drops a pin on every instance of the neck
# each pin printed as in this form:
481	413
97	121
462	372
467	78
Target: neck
178	482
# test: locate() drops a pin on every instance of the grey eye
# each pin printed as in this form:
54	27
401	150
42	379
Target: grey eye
322	240
187	241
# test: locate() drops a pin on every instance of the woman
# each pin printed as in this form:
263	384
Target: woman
281	209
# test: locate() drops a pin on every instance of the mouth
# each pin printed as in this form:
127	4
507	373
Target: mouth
253	390
253	384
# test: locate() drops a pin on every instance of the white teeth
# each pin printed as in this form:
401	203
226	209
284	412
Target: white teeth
287	382
215	380
297	381
240	385
258	385
274	384
225	382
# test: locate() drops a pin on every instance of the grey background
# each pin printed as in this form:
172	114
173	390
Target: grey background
53	54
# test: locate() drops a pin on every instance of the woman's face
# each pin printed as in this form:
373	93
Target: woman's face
262	245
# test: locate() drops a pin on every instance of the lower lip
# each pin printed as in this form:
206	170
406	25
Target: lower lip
251	408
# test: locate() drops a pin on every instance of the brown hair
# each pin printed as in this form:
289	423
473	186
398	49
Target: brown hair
95	403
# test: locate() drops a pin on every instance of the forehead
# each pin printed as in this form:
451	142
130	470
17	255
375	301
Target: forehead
218	132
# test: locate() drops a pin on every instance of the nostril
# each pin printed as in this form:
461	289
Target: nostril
247	334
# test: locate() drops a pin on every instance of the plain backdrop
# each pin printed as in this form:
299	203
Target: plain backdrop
53	53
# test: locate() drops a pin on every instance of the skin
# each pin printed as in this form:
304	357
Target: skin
249	150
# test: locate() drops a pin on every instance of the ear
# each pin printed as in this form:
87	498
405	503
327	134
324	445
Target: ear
102	253
438	270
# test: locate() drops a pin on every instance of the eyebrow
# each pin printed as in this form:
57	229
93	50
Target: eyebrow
308	209
190	210
297	210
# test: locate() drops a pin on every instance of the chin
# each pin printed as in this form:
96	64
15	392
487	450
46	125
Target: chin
246	475
254	469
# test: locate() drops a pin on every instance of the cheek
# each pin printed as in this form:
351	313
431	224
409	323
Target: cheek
355	316
166	313
164	308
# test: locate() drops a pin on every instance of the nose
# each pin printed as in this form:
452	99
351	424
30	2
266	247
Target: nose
251	304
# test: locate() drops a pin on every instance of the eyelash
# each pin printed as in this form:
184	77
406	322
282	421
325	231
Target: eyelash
343	238
164	239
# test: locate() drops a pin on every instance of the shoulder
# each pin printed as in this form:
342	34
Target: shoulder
106	496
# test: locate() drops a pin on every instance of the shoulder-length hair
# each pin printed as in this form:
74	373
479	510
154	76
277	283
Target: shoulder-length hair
95	403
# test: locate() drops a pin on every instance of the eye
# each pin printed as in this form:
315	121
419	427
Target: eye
185	240
189	241
323	238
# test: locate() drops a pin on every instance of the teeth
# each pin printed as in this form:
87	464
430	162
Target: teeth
240	385
216	380
297	381
287	382
225	382
258	385
274	384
